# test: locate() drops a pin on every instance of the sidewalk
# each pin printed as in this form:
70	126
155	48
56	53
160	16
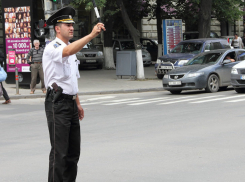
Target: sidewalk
94	81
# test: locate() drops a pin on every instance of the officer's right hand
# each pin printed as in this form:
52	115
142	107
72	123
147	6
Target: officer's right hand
98	28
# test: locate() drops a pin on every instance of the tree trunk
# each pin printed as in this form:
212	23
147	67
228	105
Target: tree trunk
204	18
159	28
136	37
108	50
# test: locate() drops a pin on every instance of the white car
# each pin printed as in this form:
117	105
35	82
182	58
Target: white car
238	76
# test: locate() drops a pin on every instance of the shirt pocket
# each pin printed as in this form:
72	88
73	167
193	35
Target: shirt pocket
66	70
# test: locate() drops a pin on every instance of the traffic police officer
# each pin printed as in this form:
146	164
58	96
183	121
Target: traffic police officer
62	105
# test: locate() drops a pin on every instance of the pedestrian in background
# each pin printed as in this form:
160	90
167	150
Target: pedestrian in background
5	94
237	42
62	105
36	54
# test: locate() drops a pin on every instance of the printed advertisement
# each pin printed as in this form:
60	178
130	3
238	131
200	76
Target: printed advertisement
18	37
172	34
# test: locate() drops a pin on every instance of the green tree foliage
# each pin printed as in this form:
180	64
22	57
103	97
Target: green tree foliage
228	10
188	10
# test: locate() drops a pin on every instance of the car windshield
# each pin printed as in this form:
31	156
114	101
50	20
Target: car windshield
210	58
127	45
89	45
187	47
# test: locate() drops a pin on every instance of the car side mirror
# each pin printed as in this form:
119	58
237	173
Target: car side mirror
226	61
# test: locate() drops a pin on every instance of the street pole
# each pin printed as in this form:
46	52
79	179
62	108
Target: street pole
17	81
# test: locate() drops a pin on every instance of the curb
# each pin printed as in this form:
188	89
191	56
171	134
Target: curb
34	96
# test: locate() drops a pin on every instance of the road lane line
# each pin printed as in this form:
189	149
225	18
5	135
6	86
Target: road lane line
238	100
211	100
136	101
160	100
121	100
98	98
189	100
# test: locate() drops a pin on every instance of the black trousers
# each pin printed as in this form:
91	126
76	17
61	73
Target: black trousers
5	94
64	130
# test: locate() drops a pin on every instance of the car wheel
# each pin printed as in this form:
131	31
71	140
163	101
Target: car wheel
213	84
240	90
223	88
175	91
159	76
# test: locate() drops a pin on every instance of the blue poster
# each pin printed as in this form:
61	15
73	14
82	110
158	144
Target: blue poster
172	34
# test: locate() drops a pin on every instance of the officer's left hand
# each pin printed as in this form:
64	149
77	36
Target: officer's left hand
80	112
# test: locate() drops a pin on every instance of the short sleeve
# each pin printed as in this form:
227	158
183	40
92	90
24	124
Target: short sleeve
56	54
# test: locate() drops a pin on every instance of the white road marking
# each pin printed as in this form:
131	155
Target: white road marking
224	98
238	100
188	100
102	102
98	98
160	100
143	100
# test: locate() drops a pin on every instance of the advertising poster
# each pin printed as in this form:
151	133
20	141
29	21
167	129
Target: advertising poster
18	37
172	34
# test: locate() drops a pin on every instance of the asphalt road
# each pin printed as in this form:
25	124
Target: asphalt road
136	137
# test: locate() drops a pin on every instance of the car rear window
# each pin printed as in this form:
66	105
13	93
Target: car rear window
217	45
187	47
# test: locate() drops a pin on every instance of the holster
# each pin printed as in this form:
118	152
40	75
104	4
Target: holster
48	93
57	94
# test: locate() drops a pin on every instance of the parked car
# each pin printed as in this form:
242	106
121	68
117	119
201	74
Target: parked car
151	46
195	35
90	56
186	50
229	39
128	45
209	70
238	76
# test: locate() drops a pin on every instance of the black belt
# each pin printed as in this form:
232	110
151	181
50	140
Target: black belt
69	97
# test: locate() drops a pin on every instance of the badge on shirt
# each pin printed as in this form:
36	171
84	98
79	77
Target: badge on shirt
57	44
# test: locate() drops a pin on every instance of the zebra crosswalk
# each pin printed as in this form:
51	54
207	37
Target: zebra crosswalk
165	100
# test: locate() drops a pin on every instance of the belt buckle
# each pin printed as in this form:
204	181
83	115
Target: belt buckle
74	97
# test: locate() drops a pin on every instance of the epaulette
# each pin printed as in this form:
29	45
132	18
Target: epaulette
57	44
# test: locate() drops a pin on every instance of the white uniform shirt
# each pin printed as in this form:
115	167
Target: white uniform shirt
63	71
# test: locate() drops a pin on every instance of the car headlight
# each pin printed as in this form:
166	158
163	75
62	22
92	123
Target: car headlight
195	74
234	71
100	53
158	61
165	76
182	62
79	54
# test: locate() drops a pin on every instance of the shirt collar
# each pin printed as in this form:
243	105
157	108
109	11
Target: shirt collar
60	41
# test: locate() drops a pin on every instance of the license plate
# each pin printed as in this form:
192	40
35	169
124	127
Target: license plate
243	77
90	61
166	67
175	83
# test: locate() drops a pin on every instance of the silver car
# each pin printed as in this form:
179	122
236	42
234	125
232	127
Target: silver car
90	56
128	45
209	70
